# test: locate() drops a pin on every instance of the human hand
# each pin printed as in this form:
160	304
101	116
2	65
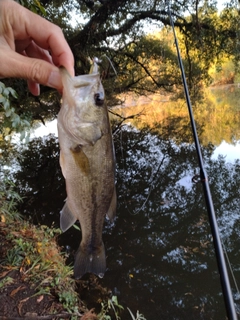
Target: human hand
32	48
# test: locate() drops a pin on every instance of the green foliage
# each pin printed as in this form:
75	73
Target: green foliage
9	199
139	316
35	252
224	73
9	118
6	281
111	305
33	5
14	257
69	301
111	310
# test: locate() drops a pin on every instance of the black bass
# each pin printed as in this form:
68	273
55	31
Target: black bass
88	165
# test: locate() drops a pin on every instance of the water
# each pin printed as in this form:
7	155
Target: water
160	256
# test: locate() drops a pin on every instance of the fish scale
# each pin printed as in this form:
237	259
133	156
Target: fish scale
88	165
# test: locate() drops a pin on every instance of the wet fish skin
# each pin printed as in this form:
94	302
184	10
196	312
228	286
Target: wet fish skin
88	165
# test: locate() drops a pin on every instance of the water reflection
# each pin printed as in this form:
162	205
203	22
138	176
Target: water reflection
229	151
166	252
160	254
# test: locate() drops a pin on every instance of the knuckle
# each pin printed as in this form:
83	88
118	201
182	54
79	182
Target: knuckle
37	72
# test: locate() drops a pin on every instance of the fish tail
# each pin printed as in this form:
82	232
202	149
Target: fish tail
90	260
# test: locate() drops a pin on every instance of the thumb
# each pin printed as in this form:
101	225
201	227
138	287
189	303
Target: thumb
31	69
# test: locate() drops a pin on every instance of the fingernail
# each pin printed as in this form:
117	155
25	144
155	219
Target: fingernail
54	80
34	88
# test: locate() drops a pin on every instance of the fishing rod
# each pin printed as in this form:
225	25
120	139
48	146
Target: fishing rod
227	292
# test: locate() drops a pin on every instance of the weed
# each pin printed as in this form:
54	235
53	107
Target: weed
139	316
6	281
69	301
13	258
34	252
108	306
8	200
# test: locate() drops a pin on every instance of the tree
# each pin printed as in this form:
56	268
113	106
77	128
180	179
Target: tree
120	31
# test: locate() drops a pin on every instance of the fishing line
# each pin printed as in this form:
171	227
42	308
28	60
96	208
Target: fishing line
227	293
231	270
109	60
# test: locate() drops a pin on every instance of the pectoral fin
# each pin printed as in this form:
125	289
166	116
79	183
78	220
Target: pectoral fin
81	159
112	209
67	219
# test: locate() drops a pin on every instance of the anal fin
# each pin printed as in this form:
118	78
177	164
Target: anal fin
67	219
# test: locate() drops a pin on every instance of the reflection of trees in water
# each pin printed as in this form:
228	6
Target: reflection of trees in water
39	179
160	253
167	246
216	116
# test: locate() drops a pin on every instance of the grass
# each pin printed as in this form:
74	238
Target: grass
32	251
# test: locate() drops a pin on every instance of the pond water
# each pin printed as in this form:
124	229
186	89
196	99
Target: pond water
160	255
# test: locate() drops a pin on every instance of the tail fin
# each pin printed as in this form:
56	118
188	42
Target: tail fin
90	260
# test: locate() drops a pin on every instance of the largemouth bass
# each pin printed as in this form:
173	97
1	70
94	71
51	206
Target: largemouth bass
88	165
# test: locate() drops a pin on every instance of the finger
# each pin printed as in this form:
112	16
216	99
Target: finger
21	45
35	70
34	51
45	34
34	88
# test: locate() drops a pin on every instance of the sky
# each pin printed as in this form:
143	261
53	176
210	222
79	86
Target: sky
229	151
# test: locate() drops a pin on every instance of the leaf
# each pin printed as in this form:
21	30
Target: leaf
6	281
13	92
6	104
2	87
115	300
27	138
6	92
22	135
40	299
2	98
8	113
15	120
26	123
40	7
76	227
16	290
131	314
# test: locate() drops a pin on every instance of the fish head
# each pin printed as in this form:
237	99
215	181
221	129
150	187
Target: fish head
83	113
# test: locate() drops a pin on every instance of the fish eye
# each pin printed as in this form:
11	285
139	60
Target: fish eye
99	99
